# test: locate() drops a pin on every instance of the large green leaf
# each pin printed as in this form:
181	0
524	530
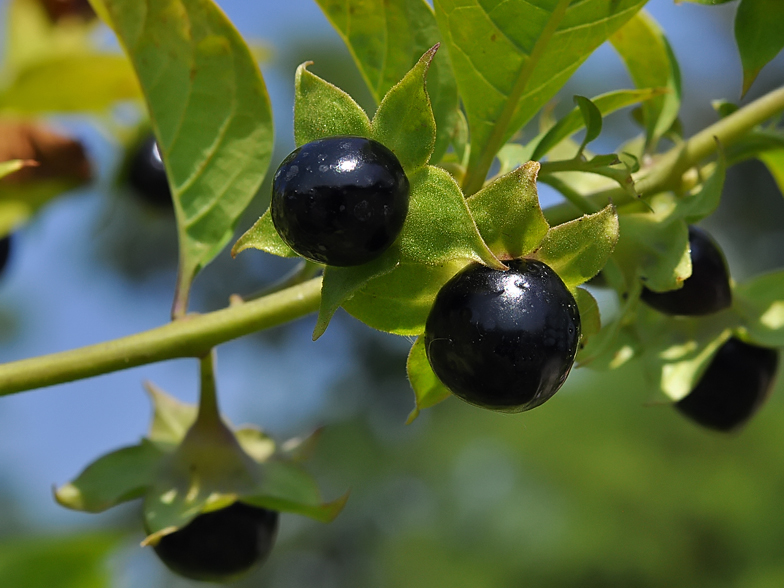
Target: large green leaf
58	561
510	57
210	112
386	39
761	304
651	63
758	34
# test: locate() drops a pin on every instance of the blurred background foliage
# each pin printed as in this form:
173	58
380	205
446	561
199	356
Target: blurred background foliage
600	487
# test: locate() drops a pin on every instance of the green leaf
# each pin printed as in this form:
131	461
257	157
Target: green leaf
654	246
287	487
9	167
578	250
511	57
761	304
323	110
385	39
513	155
755	143
400	301
428	389
438	230
710	2
61	561
758	35
263	235
171	417
113	478
404	121
18	202
508	215
590	318
697	206
592	118
210	112
774	161
84	82
651	63
255	443
574	121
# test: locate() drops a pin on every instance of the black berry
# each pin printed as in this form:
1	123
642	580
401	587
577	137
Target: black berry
147	174
736	383
340	200
503	340
5	252
706	291
220	545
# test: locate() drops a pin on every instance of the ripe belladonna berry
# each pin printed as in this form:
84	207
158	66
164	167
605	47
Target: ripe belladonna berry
340	200
503	340
706	291
220	545
737	382
147	175
5	252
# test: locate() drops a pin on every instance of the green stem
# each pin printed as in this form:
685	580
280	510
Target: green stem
190	336
667	172
209	413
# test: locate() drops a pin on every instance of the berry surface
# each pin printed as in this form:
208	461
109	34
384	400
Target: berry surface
147	175
737	382
503	340
220	545
706	291
5	252
340	201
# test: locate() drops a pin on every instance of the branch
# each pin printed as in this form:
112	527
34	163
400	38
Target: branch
667	171
190	336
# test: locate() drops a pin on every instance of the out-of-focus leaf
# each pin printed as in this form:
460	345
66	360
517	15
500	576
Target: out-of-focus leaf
760	302
578	250
590	318
255	443
112	479
428	389
84	82
511	57
758	35
171	417
574	121
404	120
508	215
704	202
14	165
774	161
385	39
58	561
592	118
211	115
324	110
651	63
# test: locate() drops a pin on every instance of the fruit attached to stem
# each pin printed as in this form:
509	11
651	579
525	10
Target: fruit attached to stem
147	174
220	545
340	200
503	340
706	291
737	382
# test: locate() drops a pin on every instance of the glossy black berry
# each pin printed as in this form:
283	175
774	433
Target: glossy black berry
340	200
706	291
736	383
147	174
220	545
503	340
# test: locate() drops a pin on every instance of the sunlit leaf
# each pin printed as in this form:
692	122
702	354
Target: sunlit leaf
578	250
508	215
428	389
758	35
651	64
404	120
324	110
263	235
171	417
386	39
592	118
703	202
774	161
511	57
761	303
112	479
210	112
590	318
